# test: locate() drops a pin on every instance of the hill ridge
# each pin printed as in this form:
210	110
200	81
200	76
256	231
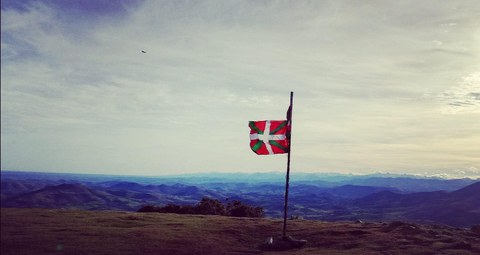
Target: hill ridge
308	200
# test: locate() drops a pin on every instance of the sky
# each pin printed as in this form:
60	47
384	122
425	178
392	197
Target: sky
379	86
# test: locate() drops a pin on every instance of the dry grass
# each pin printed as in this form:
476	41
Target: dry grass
44	231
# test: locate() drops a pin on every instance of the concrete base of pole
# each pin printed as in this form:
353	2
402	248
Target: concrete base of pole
282	243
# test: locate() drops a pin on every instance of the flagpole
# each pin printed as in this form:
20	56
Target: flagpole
285	209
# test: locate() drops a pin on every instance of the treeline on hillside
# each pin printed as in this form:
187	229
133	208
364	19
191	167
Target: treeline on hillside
208	206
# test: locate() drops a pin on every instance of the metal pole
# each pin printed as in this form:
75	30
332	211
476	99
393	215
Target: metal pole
289	116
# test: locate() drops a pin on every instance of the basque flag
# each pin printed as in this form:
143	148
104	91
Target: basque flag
268	137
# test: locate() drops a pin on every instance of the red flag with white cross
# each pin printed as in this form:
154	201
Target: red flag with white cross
268	137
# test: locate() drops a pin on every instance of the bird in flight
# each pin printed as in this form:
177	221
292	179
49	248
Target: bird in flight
144	51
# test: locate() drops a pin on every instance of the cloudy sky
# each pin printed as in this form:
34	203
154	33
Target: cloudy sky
380	86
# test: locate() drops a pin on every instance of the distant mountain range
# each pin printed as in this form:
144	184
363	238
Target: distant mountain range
457	208
330	198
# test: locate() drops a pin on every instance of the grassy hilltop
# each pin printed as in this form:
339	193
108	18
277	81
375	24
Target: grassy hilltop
46	231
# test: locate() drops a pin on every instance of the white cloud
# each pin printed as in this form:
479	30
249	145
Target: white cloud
467	172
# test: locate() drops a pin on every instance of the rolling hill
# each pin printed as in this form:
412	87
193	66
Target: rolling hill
67	196
457	208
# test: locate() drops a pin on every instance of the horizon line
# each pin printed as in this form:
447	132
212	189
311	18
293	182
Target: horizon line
442	176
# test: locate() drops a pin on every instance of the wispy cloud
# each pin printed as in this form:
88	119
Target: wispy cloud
464	98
